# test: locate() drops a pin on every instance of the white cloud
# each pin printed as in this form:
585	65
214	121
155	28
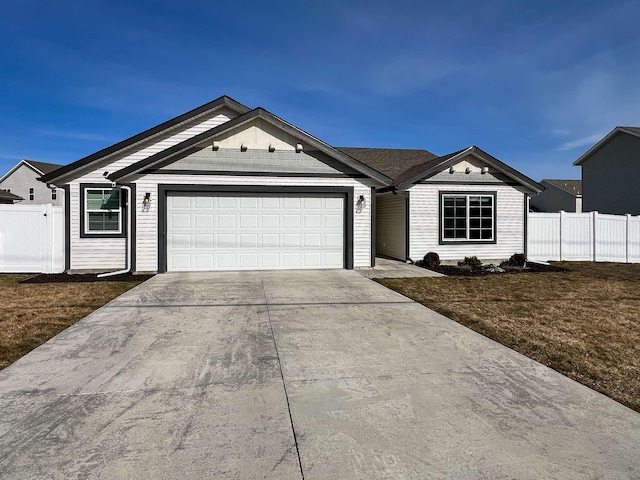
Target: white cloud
581	142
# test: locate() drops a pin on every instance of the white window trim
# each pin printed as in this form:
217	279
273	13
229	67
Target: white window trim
87	231
491	195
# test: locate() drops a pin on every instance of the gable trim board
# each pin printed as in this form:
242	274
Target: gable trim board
130	142
256	191
452	159
202	140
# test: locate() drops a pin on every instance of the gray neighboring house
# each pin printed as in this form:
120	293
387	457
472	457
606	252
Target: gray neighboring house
23	181
610	173
565	195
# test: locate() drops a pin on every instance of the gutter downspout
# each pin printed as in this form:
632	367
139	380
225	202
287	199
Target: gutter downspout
127	266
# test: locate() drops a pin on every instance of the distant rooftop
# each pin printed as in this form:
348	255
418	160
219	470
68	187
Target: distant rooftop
574	187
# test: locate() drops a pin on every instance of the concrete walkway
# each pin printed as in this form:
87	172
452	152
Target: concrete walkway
389	268
271	374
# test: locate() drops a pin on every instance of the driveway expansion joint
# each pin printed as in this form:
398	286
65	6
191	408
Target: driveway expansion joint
284	384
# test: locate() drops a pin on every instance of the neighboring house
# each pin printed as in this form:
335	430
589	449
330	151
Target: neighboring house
7	198
559	195
225	187
610	173
22	180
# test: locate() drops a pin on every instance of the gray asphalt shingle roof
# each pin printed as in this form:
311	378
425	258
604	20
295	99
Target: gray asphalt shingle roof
392	162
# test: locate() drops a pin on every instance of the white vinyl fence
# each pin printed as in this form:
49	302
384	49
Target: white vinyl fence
589	236
31	239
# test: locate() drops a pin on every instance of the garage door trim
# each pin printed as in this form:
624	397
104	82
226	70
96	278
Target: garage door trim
252	190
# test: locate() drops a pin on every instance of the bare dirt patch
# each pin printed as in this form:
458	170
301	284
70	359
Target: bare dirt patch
33	313
584	323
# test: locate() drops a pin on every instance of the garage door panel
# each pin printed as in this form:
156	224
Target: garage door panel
203	241
226	220
203	203
249	220
209	232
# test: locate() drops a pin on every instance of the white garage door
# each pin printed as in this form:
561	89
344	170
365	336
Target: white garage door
210	232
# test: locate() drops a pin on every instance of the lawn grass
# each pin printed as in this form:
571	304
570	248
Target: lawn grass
31	314
584	323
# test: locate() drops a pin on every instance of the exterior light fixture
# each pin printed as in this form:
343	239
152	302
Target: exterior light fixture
146	202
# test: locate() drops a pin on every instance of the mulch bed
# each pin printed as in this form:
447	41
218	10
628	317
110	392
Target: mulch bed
465	271
84	277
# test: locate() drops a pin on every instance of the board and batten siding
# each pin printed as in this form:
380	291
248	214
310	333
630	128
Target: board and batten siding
424	223
147	222
109	253
391	225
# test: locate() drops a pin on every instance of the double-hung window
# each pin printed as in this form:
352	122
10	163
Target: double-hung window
102	213
467	217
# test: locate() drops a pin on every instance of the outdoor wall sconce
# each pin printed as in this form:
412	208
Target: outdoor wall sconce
146	202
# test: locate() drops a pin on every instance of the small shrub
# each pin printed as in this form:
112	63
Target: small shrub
472	262
431	260
517	260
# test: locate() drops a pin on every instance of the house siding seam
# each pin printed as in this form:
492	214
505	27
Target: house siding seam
424	221
391	225
147	222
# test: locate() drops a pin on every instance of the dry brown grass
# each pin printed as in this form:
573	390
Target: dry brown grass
31	314
584	323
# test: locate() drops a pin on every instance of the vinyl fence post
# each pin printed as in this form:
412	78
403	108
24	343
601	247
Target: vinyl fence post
628	237
594	223
562	212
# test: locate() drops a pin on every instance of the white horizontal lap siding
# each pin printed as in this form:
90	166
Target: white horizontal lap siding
191	129
424	223
147	222
92	253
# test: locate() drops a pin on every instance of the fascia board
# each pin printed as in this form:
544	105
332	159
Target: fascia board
69	170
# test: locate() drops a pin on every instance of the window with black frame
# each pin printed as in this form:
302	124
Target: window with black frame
102	210
467	217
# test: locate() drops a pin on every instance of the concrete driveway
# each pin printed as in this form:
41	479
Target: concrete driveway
274	374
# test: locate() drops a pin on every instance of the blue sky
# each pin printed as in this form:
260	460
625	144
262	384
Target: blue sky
535	83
